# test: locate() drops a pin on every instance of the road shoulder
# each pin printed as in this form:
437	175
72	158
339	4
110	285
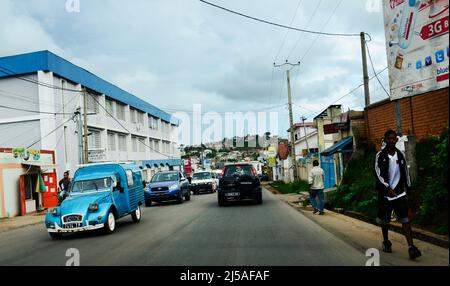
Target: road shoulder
363	236
9	224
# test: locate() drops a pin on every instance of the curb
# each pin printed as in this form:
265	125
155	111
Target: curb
395	227
7	229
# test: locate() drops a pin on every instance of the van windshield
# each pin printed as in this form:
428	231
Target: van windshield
92	186
165	177
202	176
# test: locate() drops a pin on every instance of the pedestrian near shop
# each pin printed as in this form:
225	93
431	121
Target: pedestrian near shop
316	182
393	184
65	185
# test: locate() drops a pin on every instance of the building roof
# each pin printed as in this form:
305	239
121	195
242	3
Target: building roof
343	146
301	125
325	112
46	61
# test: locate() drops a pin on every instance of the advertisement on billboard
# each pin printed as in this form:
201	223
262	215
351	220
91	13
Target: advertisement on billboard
417	45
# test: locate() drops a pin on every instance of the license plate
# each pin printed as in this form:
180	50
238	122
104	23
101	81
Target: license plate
232	195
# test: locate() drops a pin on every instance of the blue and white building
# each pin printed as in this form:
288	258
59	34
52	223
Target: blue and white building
40	91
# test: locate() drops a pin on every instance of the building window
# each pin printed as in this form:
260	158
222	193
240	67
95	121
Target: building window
153	122
92	103
120	111
133	115
140	117
166	128
134	144
157	148
123	143
94	140
130	181
109	108
112	142
166	147
142	145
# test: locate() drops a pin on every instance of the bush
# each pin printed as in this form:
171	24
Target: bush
432	185
292	188
357	191
429	198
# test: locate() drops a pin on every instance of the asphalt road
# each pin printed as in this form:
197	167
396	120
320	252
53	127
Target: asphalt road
196	233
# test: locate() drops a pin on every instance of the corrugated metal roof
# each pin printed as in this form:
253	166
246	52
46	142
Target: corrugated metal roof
47	61
339	147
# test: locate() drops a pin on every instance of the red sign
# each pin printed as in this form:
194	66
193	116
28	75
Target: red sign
188	167
395	3
334	128
435	29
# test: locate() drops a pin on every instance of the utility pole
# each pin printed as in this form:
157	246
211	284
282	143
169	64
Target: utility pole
306	135
291	115
85	128
365	72
80	136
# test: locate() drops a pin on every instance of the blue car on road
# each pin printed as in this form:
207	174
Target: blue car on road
100	195
167	186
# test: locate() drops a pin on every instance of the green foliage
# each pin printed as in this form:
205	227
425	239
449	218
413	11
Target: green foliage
357	191
429	198
432	184
292	188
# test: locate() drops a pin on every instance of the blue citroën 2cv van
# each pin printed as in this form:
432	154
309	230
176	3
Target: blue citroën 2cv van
100	195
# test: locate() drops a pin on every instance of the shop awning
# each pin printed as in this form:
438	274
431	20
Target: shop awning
343	146
40	165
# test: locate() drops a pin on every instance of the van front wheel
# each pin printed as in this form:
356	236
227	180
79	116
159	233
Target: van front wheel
110	225
136	215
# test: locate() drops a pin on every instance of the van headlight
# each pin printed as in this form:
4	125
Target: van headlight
173	187
93	208
53	211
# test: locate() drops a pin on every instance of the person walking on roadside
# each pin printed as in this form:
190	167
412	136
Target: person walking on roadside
392	179
65	185
316	180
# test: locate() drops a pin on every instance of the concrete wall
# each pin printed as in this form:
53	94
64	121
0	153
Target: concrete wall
20	134
10	186
23	128
21	94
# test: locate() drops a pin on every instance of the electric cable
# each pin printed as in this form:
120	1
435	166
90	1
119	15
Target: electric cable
281	26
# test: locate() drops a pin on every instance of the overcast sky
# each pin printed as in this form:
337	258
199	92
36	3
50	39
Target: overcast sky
175	53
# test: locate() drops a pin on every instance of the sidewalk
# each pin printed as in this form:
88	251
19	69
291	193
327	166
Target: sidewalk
8	224
363	235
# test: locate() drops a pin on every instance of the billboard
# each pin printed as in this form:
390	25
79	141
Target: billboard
417	45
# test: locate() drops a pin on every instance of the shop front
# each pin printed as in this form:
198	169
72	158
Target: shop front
28	182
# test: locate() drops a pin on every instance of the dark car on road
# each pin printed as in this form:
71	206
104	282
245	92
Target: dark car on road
167	186
239	182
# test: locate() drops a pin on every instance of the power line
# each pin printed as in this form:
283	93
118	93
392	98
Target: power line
271	86
374	71
223	112
33	111
15	75
4	93
307	26
323	27
54	130
126	129
287	32
351	92
282	26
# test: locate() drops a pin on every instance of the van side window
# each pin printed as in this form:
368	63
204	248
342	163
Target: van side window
130	180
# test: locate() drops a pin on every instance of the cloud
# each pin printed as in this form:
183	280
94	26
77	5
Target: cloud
178	53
